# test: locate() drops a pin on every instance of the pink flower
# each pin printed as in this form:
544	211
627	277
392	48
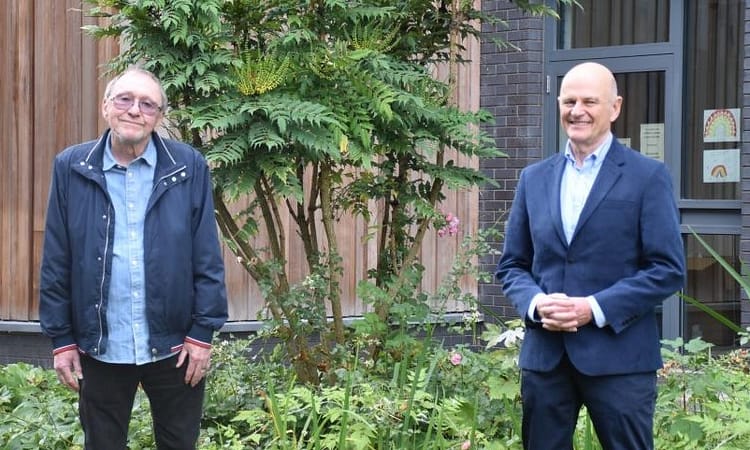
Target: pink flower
466	445
451	226
456	358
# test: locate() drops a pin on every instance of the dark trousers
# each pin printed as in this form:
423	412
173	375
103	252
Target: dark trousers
106	397
621	408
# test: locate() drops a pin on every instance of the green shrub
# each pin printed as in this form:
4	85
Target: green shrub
435	398
36	411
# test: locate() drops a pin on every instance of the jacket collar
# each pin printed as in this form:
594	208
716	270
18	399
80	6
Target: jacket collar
165	159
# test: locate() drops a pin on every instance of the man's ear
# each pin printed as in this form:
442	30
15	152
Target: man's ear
616	108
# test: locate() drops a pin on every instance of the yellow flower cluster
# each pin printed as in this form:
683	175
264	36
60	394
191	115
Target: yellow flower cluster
375	38
262	73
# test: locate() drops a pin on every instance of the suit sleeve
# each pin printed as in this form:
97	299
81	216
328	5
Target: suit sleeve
514	267
661	270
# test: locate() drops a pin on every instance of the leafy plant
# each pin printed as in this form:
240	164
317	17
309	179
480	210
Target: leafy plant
438	398
430	400
36	411
703	399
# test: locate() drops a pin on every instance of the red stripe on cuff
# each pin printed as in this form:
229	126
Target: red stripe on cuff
198	343
67	348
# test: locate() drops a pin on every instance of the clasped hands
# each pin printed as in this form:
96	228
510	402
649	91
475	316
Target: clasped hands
558	312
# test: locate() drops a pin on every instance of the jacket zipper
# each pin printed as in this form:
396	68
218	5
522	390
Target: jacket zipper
101	283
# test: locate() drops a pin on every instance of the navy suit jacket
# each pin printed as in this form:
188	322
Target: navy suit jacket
626	251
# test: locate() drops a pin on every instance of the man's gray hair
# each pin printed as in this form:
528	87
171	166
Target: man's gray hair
141	70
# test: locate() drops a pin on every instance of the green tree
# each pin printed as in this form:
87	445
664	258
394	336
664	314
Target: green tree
325	107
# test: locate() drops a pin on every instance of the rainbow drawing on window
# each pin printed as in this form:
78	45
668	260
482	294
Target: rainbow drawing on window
721	125
721	166
719	171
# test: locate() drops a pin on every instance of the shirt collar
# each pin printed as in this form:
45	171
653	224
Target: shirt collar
597	156
148	155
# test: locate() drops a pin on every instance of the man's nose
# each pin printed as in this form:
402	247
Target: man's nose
135	108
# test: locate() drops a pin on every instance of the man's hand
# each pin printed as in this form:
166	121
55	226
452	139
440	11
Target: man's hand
562	313
199	361
67	364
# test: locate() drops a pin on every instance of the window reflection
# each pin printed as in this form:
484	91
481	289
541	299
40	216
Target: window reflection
625	22
708	282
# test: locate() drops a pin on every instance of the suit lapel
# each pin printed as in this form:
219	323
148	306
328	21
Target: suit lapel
610	172
553	190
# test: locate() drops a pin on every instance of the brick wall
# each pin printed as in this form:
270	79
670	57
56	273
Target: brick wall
30	348
512	89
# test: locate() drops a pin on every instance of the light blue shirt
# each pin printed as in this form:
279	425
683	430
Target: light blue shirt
575	187
577	183
129	188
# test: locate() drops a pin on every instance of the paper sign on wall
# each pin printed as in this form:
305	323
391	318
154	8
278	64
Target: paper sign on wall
652	140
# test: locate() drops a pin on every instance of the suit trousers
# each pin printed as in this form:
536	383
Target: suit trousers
621	408
106	397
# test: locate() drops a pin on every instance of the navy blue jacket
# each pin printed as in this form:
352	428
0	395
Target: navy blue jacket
626	251
185	290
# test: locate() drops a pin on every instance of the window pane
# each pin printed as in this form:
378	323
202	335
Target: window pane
713	86
601	23
642	107
709	283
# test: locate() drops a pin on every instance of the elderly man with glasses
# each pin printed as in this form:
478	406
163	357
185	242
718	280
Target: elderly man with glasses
132	277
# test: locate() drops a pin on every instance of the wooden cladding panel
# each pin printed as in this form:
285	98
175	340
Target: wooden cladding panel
50	99
15	214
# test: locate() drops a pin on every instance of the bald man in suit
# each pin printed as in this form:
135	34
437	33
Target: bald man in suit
592	246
